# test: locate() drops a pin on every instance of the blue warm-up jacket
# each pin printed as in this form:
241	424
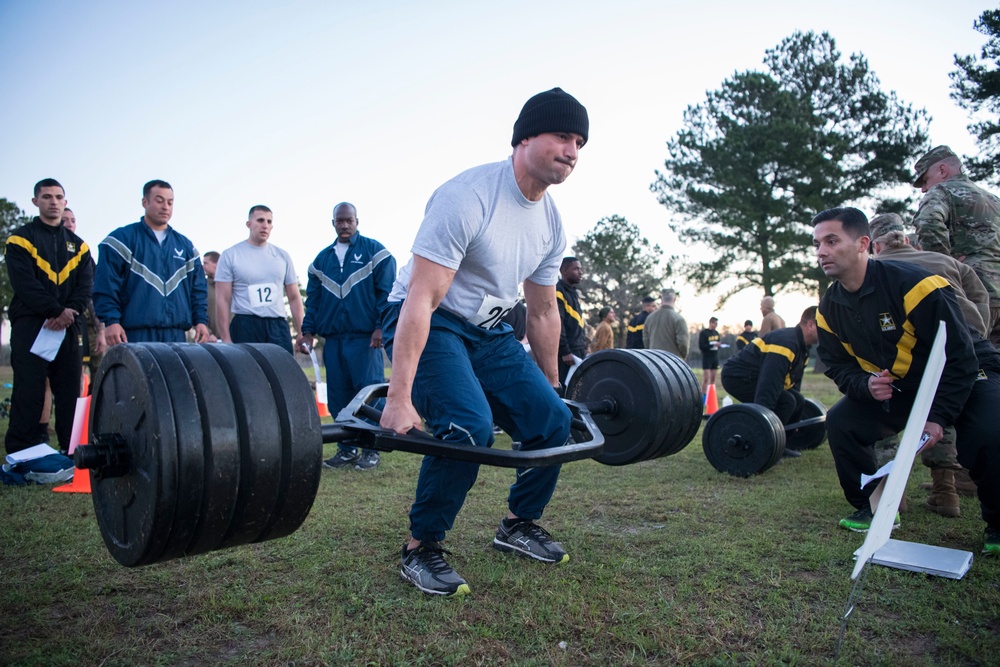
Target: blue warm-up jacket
143	284
349	299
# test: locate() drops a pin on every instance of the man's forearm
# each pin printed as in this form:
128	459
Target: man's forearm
223	302
295	305
543	335
408	344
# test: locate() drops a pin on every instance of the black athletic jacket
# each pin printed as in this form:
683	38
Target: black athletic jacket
633	340
776	362
745	339
50	269
890	323
573	338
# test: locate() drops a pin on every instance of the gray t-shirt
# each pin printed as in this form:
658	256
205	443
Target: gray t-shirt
480	224
259	275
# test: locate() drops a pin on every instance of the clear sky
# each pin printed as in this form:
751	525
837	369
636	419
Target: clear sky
299	105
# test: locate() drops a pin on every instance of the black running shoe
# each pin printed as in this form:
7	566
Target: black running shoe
369	459
527	538
343	457
426	568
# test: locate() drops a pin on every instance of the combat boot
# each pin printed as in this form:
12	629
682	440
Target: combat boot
943	499
964	484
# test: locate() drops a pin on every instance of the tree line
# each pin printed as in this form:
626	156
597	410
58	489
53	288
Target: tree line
770	148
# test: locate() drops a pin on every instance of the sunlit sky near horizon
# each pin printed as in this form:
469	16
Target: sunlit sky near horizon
300	105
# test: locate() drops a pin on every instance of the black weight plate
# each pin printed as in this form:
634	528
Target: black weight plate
220	447
190	454
260	444
667	416
743	440
684	402
135	511
663	416
633	430
779	438
301	438
808	437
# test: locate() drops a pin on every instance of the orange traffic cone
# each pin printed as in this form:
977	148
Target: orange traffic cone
85	386
80	483
711	402
81	427
323	410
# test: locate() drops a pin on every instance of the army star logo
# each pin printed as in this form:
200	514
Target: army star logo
885	321
71	247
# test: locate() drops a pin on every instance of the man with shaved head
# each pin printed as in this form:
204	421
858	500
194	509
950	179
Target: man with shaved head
253	279
772	321
349	285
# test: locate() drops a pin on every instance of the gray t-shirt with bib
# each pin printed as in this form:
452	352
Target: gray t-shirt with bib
482	226
259	275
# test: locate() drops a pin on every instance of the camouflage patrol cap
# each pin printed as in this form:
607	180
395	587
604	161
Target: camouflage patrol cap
930	158
883	224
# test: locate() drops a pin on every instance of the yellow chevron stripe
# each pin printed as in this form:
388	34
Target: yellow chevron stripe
569	309
779	350
73	263
774	349
864	363
906	342
45	267
637	328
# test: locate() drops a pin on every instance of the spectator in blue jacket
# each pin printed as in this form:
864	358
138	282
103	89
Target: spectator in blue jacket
150	285
349	284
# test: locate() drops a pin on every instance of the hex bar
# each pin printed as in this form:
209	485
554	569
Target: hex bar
351	425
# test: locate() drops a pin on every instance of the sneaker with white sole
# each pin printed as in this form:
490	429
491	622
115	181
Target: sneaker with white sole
426	568
527	538
369	459
344	457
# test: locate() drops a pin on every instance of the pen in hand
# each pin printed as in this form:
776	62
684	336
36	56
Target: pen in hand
877	375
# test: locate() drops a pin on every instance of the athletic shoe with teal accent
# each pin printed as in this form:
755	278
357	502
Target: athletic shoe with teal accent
426	568
861	521
991	541
527	538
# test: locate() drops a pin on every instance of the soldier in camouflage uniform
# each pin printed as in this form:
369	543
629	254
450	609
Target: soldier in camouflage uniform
891	244
957	217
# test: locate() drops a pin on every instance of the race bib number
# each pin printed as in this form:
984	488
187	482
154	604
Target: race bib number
263	295
491	312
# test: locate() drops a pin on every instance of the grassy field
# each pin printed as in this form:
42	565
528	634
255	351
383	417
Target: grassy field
672	563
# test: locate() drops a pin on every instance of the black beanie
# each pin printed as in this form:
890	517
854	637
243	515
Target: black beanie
551	111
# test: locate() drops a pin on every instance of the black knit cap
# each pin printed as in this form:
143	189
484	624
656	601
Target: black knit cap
551	111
